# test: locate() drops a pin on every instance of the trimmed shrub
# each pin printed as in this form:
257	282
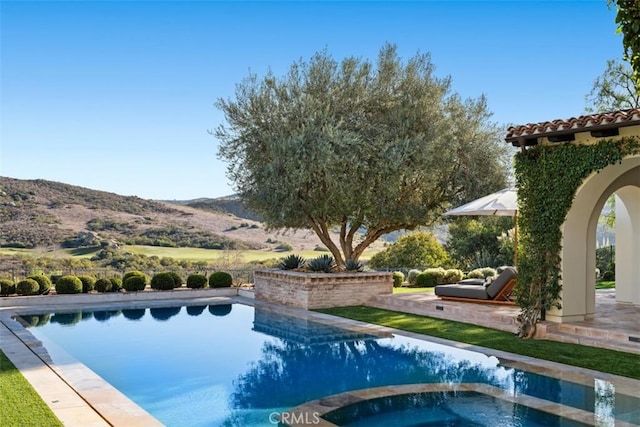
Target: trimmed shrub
177	279
43	281
425	280
7	287
88	282
162	281
196	281
324	263
69	285
116	284
292	262
398	279
283	247
437	273
453	275
132	273
411	276
488	272
27	287
135	282
220	279
103	285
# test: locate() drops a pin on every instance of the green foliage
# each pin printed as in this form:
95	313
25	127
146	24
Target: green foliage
292	262
478	242
628	20
220	279
88	282
425	280
398	279
69	285
609	276
411	276
103	285
7	287
27	287
116	284
565	168
134	281
482	273
453	275
357	145
420	249
438	274
162	281
43	281
353	265
177	279
196	281
324	263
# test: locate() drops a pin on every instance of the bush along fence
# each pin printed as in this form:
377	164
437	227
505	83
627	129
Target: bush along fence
106	280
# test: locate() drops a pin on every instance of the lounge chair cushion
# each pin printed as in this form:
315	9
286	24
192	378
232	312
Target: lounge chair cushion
499	282
462	291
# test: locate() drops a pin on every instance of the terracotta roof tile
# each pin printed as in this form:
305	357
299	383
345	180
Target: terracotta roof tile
575	124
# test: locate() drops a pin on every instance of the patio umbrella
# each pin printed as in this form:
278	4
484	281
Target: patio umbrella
500	203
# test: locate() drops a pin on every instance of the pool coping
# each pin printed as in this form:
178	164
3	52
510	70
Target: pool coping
73	391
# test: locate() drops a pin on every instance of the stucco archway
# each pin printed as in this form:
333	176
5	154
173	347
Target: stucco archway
579	240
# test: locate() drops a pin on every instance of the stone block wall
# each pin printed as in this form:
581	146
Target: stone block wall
320	290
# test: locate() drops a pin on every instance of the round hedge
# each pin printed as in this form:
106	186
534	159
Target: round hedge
135	283
103	285
88	282
425	280
69	285
7	287
398	279
44	283
132	273
177	279
163	281
220	279
196	281
116	284
27	287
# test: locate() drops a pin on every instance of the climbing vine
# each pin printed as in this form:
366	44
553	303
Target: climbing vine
547	178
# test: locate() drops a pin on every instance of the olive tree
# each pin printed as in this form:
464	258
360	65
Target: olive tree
358	147
614	89
628	20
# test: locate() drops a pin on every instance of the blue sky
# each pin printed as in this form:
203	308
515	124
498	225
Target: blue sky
118	95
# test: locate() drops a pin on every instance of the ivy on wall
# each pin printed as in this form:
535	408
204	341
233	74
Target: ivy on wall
547	178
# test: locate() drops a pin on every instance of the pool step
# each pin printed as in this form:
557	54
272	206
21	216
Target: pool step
577	334
426	304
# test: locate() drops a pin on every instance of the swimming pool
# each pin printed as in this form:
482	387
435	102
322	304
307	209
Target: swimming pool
238	365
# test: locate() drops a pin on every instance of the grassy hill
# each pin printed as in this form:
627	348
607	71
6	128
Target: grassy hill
46	214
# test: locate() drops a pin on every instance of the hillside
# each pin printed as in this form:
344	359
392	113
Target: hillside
46	214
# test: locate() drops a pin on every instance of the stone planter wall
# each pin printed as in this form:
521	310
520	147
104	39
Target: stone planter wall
320	290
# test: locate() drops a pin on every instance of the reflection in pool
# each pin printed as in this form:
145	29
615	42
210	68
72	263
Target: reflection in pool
235	365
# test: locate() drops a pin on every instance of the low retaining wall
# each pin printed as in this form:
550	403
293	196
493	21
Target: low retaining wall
320	290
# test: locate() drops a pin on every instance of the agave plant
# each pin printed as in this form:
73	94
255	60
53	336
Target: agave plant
353	265
324	263
292	262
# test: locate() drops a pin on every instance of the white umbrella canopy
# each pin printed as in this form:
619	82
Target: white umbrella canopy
500	203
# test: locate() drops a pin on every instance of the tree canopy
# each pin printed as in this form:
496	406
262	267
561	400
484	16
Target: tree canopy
628	20
613	90
363	148
420	249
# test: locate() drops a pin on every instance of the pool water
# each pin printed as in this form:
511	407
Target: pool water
236	365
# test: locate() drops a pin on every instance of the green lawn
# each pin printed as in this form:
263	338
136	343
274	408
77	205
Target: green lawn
20	405
599	359
606	285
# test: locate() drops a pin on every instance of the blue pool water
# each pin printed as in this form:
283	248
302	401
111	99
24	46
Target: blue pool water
235	365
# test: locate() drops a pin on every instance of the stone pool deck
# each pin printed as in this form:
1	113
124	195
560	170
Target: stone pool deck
80	398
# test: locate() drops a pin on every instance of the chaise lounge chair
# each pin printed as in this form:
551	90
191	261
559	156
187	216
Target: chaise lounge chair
496	291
